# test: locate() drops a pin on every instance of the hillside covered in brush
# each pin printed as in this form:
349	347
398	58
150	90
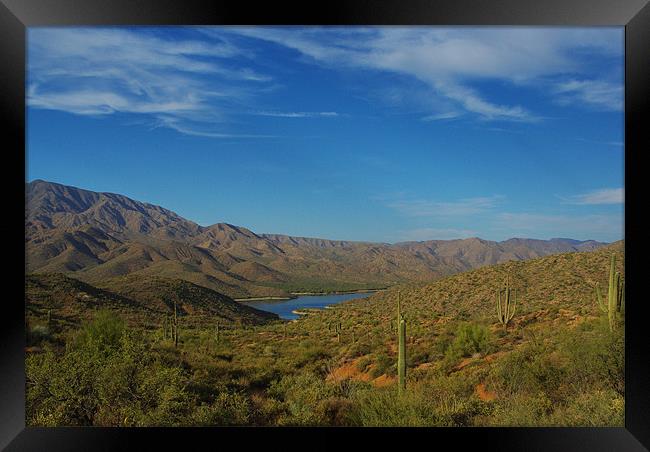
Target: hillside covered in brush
558	363
144	302
95	237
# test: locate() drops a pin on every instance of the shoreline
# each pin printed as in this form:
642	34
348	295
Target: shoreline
295	295
264	298
341	292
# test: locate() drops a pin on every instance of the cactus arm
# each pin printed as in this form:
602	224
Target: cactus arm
615	295
613	302
499	306
619	291
514	305
599	299
621	306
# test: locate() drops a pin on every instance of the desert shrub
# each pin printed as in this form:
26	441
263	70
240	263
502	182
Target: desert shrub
417	357
310	354
470	338
420	405
302	396
38	334
522	410
359	348
103	334
227	409
383	407
384	364
531	369
596	357
107	377
363	363
598	408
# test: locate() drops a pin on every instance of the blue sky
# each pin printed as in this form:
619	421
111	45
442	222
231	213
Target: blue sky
378	133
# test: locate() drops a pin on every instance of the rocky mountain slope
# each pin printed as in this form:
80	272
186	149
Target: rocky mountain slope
96	237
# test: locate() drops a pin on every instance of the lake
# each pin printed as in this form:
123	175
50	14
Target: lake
284	308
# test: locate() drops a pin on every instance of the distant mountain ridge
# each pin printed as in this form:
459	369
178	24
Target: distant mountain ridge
96	237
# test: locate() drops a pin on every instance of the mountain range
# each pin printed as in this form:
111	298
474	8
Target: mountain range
105	239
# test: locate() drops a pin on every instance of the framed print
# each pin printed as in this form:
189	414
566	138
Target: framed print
335	220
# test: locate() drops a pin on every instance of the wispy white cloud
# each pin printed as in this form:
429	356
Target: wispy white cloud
199	130
176	83
208	73
598	94
600	196
442	116
299	114
449	60
461	207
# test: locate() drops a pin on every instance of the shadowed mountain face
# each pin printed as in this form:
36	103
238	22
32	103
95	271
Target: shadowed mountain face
144	301
96	237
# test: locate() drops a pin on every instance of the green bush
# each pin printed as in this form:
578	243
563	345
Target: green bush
107	377
599	408
532	369
103	334
596	357
384	364
470	338
426	405
302	396
363	363
227	409
38	334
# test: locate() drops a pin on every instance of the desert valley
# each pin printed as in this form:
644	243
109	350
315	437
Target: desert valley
137	316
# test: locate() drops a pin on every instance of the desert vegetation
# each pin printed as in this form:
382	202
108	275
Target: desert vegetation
446	359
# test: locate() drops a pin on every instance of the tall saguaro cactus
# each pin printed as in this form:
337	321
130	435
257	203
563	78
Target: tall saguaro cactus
506	308
615	295
175	329
401	349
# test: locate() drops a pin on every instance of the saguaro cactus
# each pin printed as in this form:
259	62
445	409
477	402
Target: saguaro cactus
218	332
615	295
506	308
338	332
175	329
401	349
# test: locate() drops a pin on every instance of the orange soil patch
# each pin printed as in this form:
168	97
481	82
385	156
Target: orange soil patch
383	380
424	366
484	394
493	356
464	363
348	370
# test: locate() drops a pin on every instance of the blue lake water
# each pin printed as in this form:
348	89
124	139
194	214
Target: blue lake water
284	308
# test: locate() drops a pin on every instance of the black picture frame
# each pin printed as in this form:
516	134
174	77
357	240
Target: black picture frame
16	15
